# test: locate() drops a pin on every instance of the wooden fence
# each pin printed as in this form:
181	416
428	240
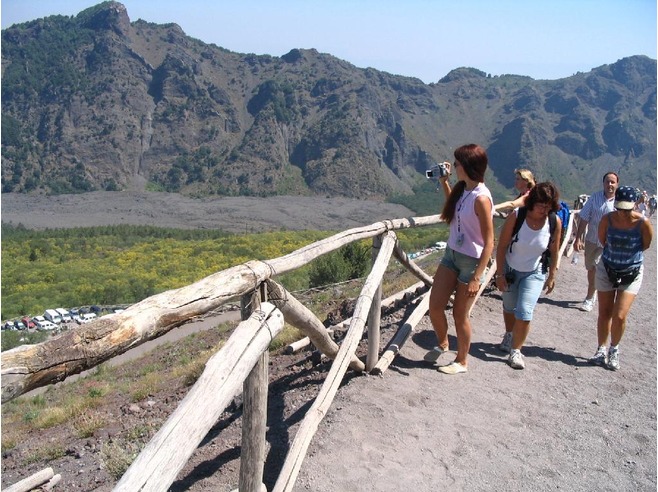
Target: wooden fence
241	364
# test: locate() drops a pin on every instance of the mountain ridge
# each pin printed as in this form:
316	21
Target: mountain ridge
121	105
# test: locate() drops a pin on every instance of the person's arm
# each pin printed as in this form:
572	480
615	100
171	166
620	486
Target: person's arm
504	239
483	209
579	243
603	228
647	234
554	248
512	204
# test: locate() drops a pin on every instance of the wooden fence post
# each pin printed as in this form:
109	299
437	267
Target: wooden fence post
254	409
375	314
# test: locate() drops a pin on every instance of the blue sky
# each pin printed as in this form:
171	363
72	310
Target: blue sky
418	38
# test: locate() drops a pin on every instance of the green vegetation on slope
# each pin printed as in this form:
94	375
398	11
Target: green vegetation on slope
125	264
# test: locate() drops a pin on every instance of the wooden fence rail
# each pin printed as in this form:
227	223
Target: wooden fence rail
242	362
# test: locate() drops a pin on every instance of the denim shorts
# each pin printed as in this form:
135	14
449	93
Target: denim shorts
464	266
522	296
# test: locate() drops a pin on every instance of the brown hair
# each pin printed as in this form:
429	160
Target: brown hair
474	160
545	192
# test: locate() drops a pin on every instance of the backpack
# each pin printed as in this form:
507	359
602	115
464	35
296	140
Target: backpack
564	213
552	224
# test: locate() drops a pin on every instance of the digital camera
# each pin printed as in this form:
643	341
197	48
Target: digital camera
437	171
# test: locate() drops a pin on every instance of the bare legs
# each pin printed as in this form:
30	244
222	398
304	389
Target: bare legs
445	282
519	333
591	286
613	309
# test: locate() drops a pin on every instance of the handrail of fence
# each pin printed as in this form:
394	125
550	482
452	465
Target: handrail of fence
242	360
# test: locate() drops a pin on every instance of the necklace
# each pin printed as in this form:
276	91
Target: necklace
460	205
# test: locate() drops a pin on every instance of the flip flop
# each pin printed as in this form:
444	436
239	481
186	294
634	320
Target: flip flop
452	368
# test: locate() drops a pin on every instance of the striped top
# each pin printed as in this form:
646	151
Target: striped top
623	249
593	211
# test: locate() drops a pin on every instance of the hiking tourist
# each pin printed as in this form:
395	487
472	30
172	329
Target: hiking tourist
523	184
624	234
469	211
598	205
523	268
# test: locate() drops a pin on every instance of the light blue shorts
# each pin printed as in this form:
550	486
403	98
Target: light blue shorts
522	296
464	266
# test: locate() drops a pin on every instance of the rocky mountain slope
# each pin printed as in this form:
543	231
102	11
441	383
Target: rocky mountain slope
97	102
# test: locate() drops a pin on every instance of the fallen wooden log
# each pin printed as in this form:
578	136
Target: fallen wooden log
33	481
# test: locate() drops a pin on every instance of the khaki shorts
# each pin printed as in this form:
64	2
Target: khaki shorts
593	254
603	284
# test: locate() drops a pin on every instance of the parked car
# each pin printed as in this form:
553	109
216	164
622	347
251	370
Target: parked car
38	319
9	325
87	318
46	325
64	314
52	316
28	323
19	325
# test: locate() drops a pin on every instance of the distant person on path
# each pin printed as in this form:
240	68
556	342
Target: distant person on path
469	211
642	206
652	205
522	269
523	184
598	205
625	234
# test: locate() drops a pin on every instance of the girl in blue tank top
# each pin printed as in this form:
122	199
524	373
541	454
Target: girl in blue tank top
624	234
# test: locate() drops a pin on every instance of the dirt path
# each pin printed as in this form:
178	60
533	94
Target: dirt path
560	424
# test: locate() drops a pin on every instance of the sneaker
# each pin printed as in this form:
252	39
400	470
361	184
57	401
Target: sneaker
453	368
587	305
506	344
433	355
613	359
600	358
515	359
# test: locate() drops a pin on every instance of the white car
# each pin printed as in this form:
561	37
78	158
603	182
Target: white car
46	325
87	318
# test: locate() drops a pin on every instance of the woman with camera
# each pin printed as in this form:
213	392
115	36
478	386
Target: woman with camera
524	269
624	234
469	211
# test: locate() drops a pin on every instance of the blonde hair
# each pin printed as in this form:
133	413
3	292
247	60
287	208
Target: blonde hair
526	176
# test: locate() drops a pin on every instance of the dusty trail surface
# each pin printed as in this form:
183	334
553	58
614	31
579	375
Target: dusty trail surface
560	424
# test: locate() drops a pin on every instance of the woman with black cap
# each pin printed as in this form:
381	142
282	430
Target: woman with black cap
624	234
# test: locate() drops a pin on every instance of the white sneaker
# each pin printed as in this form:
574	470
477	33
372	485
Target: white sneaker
588	305
515	359
506	343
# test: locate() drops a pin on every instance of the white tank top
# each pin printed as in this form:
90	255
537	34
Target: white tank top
526	252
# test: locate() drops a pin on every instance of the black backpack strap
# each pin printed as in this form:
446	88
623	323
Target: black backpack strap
552	223
520	217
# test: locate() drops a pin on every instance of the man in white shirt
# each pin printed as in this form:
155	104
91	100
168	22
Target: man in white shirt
599	204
